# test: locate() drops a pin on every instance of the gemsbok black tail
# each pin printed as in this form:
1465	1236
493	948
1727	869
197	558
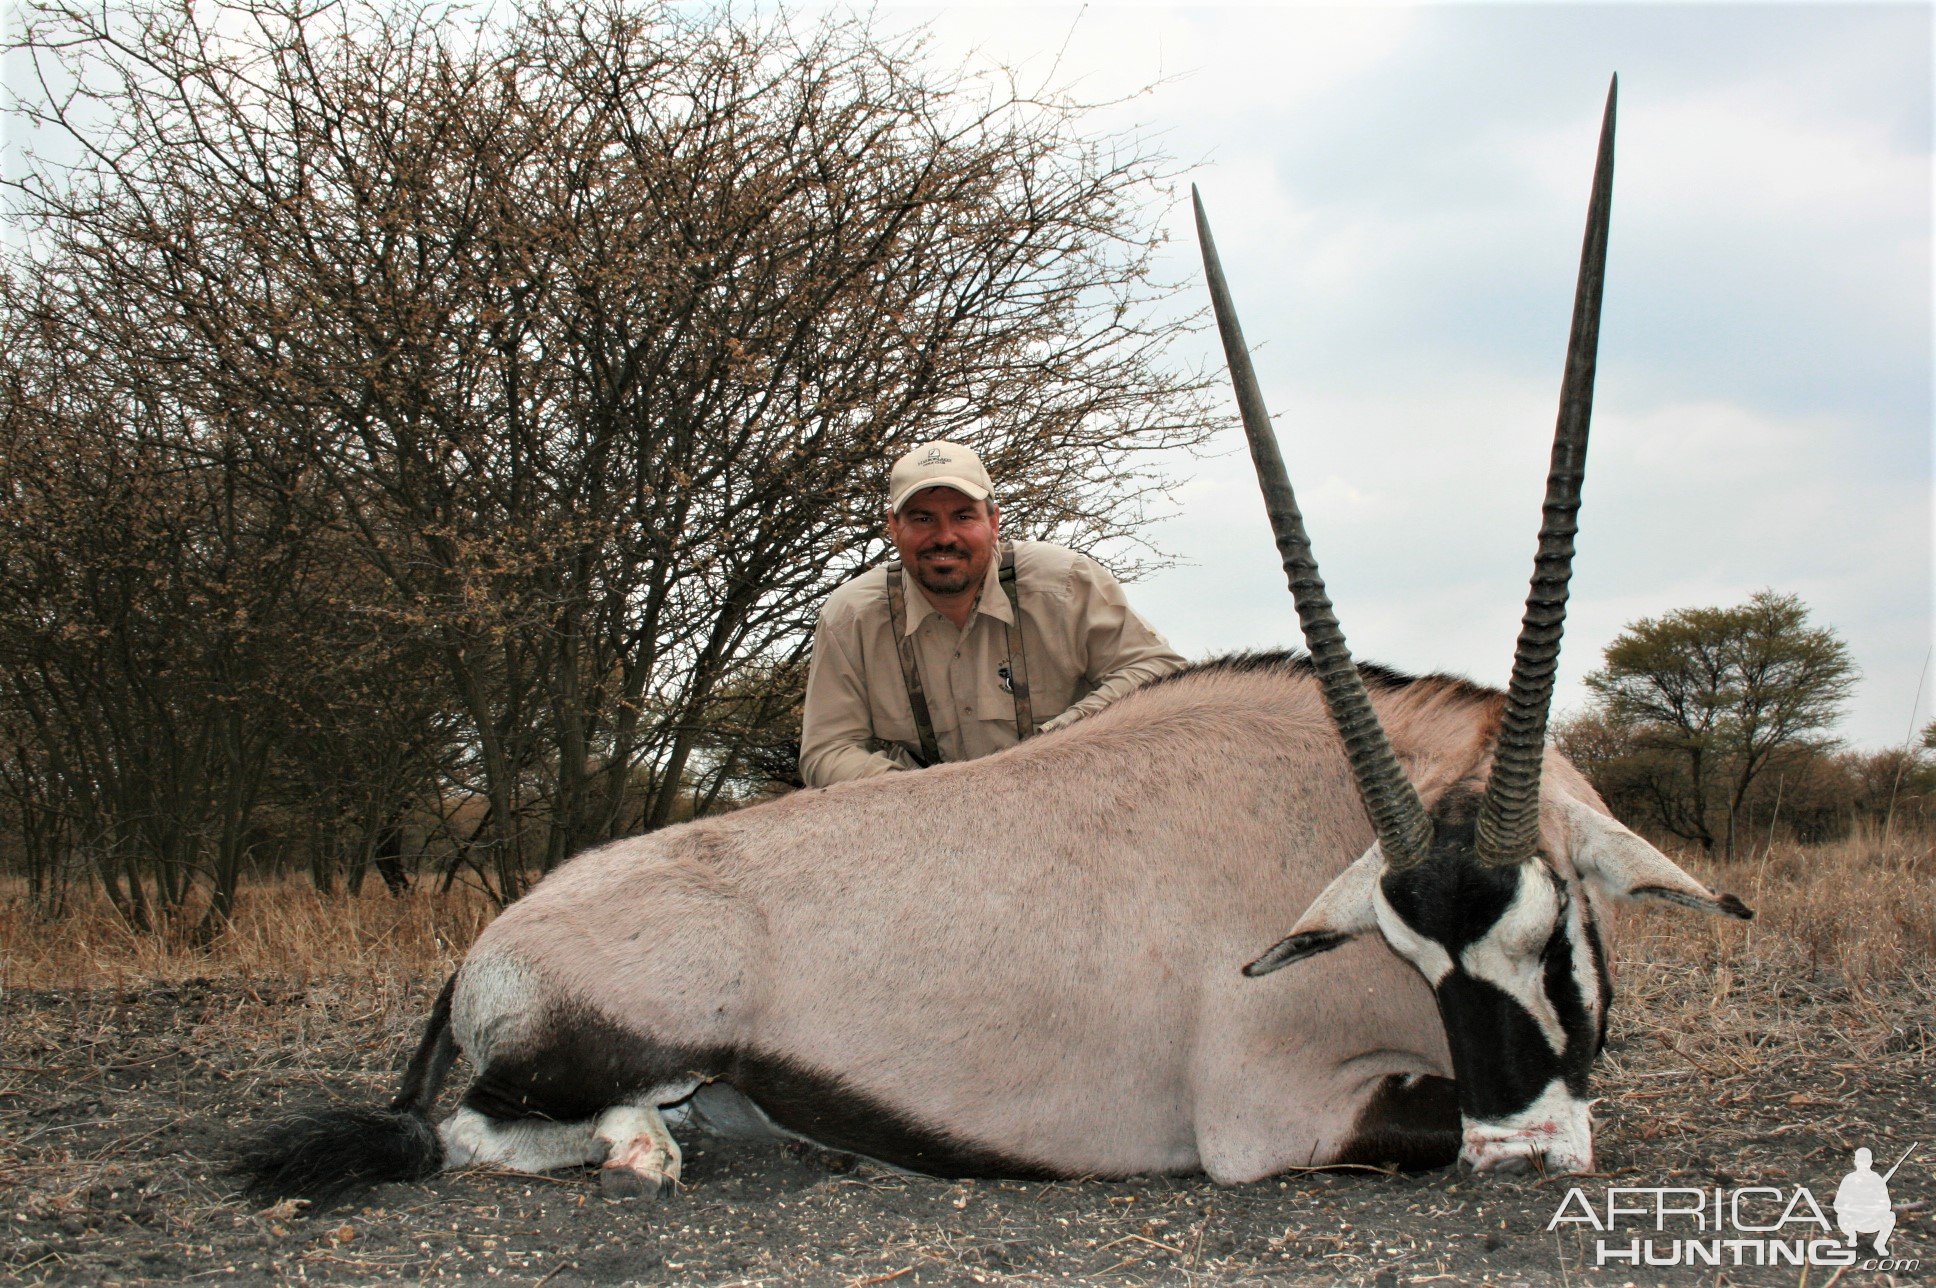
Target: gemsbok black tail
323	1154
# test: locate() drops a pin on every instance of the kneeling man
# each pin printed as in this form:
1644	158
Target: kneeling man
966	644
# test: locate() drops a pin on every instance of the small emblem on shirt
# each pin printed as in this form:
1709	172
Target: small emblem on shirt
1007	676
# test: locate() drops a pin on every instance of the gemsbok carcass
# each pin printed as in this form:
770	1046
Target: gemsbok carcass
1045	963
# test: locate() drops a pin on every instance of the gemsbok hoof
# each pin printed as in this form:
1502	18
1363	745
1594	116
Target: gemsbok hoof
625	1183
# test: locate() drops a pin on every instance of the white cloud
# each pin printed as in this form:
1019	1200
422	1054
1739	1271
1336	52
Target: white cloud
1212	61
1398	194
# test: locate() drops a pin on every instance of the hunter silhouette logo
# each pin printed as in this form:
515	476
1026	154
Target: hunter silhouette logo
1862	1201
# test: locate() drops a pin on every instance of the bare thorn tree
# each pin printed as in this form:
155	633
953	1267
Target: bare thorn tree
597	330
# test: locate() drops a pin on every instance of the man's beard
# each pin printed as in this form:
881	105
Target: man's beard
943	583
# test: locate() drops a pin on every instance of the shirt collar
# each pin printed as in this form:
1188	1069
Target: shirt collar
993	602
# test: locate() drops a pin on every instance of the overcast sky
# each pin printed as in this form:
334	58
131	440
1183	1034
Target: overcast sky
1398	196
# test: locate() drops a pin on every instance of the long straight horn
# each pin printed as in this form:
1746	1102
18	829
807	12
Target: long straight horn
1404	829
1508	826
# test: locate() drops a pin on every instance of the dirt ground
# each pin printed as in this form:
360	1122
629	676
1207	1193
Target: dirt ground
117	1109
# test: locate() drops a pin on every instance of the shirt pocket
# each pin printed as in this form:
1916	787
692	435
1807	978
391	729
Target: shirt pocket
994	702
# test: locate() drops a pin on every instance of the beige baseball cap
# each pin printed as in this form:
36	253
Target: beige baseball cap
937	464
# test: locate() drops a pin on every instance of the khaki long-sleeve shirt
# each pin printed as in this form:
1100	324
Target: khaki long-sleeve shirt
1083	644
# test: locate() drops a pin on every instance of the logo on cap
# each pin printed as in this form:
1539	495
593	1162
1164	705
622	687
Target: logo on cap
934	457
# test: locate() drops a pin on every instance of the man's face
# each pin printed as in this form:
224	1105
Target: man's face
946	539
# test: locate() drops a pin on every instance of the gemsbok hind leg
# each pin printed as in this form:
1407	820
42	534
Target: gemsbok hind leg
594	1084
518	1144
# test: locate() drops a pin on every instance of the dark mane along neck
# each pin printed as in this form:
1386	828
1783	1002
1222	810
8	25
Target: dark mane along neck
1297	662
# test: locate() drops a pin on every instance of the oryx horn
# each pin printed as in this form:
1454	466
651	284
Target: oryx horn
1404	829
1508	826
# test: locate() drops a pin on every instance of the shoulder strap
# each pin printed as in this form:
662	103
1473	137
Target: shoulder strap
1018	665
910	673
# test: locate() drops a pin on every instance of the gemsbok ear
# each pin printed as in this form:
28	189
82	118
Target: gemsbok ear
1342	911
1620	864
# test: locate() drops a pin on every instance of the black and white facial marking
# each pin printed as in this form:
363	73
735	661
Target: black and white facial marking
1515	961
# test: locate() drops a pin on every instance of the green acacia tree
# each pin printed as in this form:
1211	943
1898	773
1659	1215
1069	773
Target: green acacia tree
1714	695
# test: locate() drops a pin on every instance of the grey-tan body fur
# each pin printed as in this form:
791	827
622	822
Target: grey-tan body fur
1037	954
1048	962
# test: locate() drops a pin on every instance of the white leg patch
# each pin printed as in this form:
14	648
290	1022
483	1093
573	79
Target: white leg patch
1553	1134
521	1145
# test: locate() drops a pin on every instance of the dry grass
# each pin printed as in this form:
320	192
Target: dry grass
1834	982
284	931
1857	911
